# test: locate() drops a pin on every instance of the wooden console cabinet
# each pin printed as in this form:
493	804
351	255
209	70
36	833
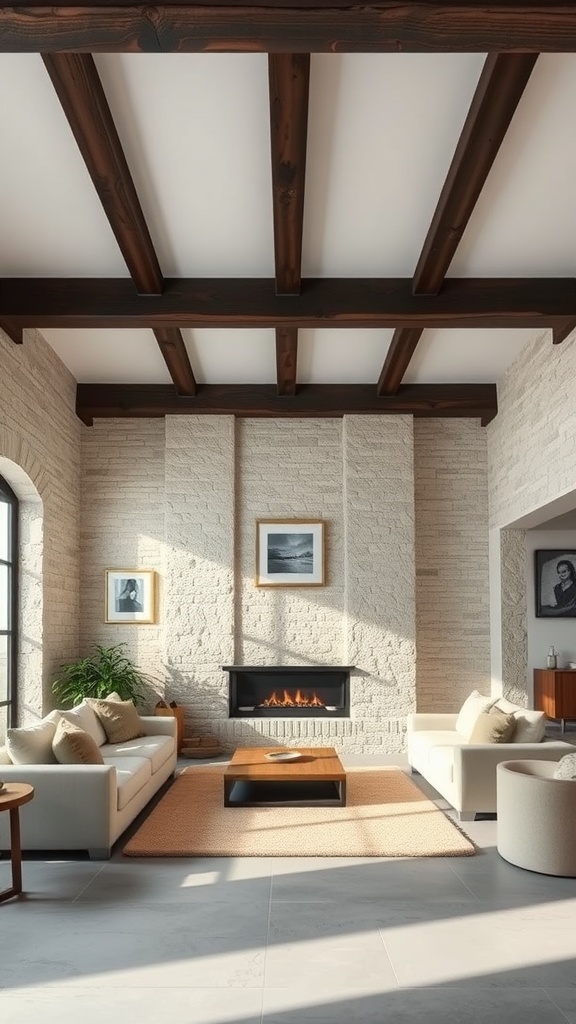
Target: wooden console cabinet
555	692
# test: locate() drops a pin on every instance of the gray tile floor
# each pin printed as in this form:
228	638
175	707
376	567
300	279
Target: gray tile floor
289	941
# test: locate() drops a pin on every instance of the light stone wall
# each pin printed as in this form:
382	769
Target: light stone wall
452	585
40	458
183	497
531	462
123	513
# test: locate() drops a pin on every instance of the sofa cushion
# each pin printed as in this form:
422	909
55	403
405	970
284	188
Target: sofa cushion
530	725
5	756
132	774
474	705
72	745
119	718
84	717
493	728
422	743
566	767
156	748
32	744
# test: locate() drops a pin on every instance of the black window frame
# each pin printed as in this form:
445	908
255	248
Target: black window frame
8	497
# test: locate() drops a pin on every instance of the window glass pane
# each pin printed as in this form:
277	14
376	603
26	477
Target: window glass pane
3	668
4	514
4	594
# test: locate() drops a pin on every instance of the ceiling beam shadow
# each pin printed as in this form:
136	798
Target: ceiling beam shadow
500	87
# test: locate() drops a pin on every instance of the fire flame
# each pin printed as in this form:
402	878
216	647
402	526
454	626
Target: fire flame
287	700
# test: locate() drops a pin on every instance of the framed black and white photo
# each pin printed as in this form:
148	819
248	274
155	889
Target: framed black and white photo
555	574
130	595
290	553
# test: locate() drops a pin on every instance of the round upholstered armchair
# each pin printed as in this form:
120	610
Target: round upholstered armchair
536	825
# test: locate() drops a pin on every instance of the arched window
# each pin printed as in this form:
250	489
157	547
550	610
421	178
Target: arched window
8	605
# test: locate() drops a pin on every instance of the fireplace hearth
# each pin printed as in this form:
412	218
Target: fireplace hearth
286	691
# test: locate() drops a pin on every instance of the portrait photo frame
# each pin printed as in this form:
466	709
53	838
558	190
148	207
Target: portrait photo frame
130	596
290	553
555	578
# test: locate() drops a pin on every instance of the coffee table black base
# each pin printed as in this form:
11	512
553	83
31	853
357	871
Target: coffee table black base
284	794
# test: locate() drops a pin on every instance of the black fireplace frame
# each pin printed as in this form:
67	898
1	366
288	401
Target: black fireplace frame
314	677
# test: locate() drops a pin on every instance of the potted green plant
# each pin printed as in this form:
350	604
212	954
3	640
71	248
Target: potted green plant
106	670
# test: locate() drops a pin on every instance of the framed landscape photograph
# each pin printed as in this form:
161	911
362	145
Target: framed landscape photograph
130	596
555	575
290	553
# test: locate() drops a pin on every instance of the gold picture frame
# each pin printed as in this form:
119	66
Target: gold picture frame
290	553
130	596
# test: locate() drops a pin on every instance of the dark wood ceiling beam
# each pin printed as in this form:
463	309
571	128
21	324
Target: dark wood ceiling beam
173	349
272	26
400	352
500	87
562	330
14	332
153	400
289	85
286	359
252	303
79	89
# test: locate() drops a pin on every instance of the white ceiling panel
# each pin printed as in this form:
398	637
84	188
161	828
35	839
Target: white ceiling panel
381	133
110	356
196	133
522	225
471	356
341	356
222	356
51	221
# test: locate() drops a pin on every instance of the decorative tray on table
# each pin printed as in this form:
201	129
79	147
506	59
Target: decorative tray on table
284	755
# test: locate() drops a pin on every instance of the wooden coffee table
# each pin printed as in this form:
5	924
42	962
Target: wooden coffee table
316	779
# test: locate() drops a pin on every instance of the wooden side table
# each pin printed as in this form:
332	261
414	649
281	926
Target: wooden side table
12	797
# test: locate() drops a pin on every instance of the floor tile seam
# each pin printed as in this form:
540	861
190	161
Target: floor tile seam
88	884
556	1007
387	951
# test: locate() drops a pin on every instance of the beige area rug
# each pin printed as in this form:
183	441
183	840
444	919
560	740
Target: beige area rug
386	816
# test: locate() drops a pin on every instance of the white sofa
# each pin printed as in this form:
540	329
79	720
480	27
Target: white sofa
464	773
88	806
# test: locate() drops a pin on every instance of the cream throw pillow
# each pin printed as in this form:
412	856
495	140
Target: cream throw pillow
566	767
32	744
493	728
5	756
84	717
119	718
72	745
474	706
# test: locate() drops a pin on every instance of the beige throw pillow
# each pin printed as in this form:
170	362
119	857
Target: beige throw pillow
493	728
530	725
72	745
119	718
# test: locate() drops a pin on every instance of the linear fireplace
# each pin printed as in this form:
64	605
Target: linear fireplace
289	691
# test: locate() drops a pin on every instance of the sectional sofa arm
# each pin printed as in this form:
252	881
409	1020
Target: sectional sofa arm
159	725
475	768
70	801
418	721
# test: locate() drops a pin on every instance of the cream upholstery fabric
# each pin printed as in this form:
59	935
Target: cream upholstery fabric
566	767
530	725
32	744
85	718
5	756
474	706
536	826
